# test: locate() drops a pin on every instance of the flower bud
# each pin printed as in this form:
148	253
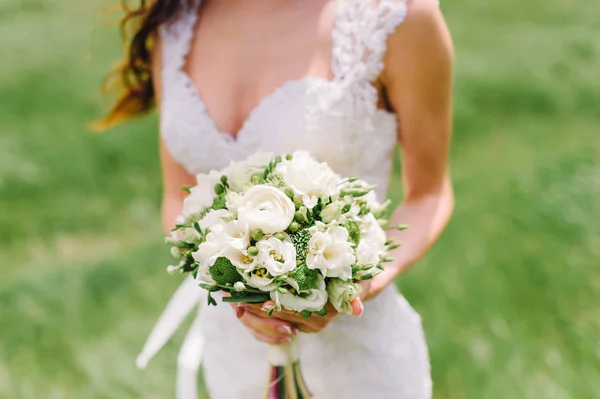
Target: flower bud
173	269
289	157
253	251
294	227
323	312
176	253
306	314
279	236
219	189
257	234
239	286
289	192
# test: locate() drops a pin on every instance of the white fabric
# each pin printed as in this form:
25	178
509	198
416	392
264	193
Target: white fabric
380	355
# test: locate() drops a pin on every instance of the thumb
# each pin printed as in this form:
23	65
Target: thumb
357	307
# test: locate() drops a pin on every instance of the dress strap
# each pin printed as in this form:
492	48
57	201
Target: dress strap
359	43
177	37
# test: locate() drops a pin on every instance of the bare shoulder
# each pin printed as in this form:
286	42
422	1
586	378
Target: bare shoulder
423	39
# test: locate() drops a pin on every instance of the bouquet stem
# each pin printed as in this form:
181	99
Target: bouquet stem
285	376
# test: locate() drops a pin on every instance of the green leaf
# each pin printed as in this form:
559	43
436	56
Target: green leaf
249	299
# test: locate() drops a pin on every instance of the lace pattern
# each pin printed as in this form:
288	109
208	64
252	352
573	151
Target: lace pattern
359	44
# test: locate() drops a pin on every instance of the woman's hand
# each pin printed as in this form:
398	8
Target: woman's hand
271	330
255	317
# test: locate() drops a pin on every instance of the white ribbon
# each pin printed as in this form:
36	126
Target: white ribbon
185	299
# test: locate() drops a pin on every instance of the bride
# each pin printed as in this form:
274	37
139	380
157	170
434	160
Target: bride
346	80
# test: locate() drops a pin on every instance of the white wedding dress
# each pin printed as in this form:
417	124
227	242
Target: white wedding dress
382	354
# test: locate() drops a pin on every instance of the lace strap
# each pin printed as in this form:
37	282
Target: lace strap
360	35
176	37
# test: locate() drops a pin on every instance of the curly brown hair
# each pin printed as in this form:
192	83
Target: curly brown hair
133	76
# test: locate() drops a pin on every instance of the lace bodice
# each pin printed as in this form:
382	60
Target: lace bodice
336	120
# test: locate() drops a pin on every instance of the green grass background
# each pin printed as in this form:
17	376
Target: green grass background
509	296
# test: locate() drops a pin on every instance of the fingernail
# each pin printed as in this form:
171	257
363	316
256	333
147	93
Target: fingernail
284	329
362	308
295	331
239	312
285	340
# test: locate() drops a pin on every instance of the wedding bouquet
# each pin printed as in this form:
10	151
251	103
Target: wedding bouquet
286	229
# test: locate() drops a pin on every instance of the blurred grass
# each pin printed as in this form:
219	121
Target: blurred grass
509	295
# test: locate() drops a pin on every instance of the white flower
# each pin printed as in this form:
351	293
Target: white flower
372	242
239	173
203	275
278	257
215	246
229	240
234	201
310	201
307	176
211	219
332	212
312	300
331	253
262	282
266	208
202	194
341	293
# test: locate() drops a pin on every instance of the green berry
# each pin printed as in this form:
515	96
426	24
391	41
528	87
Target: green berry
219	189
289	157
323	312
279	236
257	234
224	180
306	314
294	227
252	251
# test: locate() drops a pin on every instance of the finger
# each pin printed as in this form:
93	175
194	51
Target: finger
357	307
271	327
269	340
239	312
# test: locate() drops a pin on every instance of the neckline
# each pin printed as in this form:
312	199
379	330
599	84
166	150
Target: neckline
235	137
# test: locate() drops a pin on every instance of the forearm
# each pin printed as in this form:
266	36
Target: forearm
171	209
427	215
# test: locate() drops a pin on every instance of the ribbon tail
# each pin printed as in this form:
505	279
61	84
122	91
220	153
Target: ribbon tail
185	299
188	362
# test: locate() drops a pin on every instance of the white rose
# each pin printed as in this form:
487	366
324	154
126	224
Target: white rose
239	173
312	300
331	253
307	176
278	257
266	208
341	293
202	194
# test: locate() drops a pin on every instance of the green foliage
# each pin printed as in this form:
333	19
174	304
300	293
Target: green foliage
300	240
224	272
306	278
353	231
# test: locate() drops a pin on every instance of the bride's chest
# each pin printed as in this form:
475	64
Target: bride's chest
309	114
